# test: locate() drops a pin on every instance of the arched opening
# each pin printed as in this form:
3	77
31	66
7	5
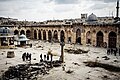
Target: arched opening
35	34
22	32
44	35
55	37
16	32
28	34
49	36
78	36
39	35
88	37
99	39
62	36
112	40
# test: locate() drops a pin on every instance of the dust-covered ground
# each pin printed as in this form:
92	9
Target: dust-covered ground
73	62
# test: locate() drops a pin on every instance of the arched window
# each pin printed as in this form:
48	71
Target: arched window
39	35
78	36
99	39
49	36
28	34
88	37
44	35
112	40
35	34
16	32
22	32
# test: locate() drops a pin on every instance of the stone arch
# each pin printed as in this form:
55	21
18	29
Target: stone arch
39	35
88	37
16	32
22	32
35	34
112	40
28	34
55	36
78	36
44	35
49	36
62	36
99	39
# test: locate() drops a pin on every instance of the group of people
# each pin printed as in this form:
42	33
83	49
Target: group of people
26	56
46	57
113	51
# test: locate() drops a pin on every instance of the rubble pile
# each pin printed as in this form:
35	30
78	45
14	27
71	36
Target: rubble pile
103	65
29	71
78	51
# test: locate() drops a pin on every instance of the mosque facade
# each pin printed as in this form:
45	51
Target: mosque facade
92	33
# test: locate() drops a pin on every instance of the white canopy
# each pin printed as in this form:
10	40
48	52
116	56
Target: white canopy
22	38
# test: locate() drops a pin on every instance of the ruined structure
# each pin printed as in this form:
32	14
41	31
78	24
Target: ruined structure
93	30
6	38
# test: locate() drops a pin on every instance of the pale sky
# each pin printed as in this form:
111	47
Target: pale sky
41	10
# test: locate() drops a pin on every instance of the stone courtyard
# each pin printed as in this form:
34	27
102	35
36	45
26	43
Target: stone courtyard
73	62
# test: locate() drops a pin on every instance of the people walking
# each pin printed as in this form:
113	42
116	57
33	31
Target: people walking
24	56
47	57
30	57
44	57
41	58
27	55
108	51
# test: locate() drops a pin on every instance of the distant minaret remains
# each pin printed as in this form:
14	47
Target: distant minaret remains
117	8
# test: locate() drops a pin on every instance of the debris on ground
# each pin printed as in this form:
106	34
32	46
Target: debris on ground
34	59
87	78
52	52
69	71
29	71
116	61
10	54
105	77
106	58
78	51
39	47
76	63
103	65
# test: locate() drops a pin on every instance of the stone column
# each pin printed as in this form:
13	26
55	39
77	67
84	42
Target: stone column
59	36
66	37
62	52
118	38
52	35
36	34
41	34
25	32
83	39
73	37
93	39
8	41
32	33
47	35
106	38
